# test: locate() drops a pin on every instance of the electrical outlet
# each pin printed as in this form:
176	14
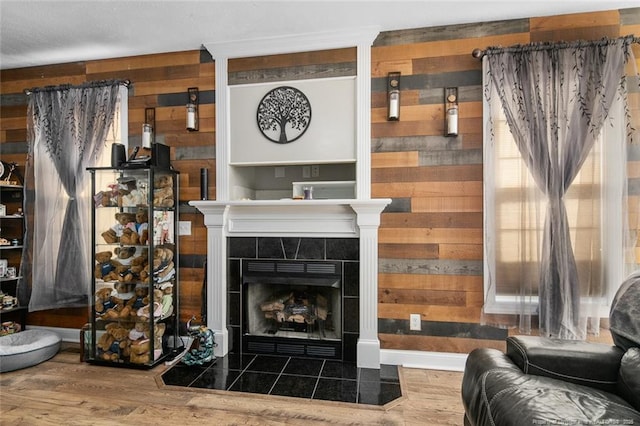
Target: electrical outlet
315	170
414	322
306	172
184	227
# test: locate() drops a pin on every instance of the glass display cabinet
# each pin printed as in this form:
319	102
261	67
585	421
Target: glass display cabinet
134	263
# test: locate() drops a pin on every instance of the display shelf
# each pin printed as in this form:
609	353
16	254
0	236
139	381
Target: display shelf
12	231
134	313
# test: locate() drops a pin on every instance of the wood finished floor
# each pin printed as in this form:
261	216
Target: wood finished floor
64	391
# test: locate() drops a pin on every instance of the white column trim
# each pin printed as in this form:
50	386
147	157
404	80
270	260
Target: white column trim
223	134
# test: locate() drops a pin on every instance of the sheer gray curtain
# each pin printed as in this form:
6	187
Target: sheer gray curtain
555	98
67	128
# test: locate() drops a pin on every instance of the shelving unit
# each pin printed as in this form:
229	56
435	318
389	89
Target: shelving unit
134	314
13	314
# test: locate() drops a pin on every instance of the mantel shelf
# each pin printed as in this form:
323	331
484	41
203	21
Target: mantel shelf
291	202
293	218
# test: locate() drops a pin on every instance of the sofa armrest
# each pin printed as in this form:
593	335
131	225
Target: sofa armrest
479	363
590	364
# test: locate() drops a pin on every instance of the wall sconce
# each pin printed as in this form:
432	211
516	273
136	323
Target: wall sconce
148	126
192	109
451	111
393	96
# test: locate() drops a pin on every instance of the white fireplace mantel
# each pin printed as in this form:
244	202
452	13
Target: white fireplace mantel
352	218
295	218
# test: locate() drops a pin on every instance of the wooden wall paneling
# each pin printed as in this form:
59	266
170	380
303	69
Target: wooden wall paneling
442	173
629	16
432	220
461	251
430	236
472	140
474	298
421	297
431	282
42	72
383	68
461	314
574	21
138	76
320	57
438	344
394	159
191	140
404	128
426	189
16	80
414	143
20	86
452	32
410	112
443	64
626	30
171	86
160	60
64	318
574	34
442	48
408	251
441	203
430	266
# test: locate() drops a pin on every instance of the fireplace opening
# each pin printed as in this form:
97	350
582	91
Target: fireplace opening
293	307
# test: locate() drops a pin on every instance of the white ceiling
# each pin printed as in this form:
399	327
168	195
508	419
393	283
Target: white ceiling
56	31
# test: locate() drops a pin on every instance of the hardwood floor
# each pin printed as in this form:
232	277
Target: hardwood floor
64	391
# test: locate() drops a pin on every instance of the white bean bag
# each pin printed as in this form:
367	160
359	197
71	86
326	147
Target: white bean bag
27	348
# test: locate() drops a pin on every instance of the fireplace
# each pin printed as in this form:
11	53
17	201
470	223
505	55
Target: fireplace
292	308
345	231
294	296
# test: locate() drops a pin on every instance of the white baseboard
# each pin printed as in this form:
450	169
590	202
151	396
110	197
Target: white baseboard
421	359
411	359
67	334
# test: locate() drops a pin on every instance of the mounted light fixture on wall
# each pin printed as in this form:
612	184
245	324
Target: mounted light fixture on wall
393	96
192	109
451	111
148	126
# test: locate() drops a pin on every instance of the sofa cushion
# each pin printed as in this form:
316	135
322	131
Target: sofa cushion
588	364
629	381
514	398
624	316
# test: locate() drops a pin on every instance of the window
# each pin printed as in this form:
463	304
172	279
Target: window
515	211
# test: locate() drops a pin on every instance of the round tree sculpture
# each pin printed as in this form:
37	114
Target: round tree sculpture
284	114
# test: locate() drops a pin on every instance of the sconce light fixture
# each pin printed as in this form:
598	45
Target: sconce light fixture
192	109
393	96
451	111
148	127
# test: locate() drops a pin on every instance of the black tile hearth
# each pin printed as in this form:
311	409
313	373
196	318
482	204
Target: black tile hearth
318	379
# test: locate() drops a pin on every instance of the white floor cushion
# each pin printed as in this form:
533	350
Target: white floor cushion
27	348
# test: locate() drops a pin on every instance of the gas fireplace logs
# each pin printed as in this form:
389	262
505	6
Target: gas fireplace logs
297	307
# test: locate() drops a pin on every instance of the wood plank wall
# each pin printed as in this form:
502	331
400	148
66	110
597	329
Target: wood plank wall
430	237
161	82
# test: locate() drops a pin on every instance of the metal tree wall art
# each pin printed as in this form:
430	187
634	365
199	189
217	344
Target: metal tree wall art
284	114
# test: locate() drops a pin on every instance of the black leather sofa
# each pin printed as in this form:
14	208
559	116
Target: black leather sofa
542	381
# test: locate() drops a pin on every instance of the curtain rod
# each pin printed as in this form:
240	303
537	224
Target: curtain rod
98	83
546	45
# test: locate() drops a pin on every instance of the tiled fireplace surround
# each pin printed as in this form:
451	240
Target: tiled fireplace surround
343	250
